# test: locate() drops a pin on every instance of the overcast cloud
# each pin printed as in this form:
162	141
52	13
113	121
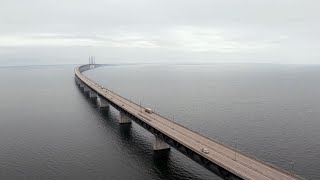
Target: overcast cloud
156	31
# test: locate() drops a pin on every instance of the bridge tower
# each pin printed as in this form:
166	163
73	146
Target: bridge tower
92	62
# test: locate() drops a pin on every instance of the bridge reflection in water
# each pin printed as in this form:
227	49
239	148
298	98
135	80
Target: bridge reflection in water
222	160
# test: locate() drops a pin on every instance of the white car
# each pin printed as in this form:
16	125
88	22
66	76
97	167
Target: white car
148	110
205	150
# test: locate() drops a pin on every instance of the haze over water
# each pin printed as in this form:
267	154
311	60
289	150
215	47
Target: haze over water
50	130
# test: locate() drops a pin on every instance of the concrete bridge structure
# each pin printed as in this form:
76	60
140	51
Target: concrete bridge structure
220	159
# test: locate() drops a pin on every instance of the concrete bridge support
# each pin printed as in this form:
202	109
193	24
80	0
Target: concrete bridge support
124	118
77	81
86	89
102	103
159	144
92	94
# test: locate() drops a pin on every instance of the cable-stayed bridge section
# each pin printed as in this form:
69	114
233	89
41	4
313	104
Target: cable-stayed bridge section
220	159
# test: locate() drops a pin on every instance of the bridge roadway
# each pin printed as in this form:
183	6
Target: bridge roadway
226	162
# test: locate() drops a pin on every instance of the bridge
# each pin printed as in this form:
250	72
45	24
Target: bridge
224	161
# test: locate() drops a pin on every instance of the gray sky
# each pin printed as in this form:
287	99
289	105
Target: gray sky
155	31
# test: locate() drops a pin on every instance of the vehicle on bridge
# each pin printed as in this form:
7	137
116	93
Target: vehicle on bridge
205	150
148	110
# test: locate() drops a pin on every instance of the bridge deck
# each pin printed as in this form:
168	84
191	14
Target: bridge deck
232	160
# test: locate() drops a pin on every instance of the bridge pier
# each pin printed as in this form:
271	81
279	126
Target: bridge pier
77	80
86	89
124	118
102	102
159	144
92	94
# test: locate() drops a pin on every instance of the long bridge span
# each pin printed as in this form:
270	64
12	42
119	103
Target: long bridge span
224	161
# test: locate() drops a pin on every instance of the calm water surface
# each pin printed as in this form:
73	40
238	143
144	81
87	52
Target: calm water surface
50	130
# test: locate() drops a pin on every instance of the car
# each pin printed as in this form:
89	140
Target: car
205	150
148	110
